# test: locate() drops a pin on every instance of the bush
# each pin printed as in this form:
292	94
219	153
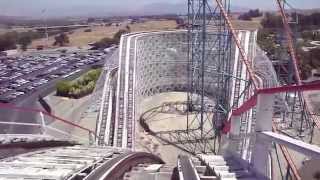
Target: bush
118	35
8	41
25	41
108	42
267	41
272	21
104	43
63	88
245	17
61	39
82	86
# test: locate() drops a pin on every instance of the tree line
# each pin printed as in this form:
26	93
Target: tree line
250	14
270	37
304	22
108	42
10	40
309	60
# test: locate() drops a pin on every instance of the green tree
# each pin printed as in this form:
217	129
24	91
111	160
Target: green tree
25	41
249	15
128	28
272	21
104	43
118	35
245	17
107	42
61	39
266	40
8	41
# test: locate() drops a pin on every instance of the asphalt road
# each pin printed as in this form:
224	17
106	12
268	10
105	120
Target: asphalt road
31	101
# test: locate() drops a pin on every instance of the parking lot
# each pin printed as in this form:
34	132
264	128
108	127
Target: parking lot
23	75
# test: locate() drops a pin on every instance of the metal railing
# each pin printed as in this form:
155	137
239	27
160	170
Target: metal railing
29	121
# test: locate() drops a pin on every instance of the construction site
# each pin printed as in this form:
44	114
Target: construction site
200	103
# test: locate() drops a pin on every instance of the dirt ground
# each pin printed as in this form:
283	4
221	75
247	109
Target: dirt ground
5	30
172	119
148	143
246	25
79	38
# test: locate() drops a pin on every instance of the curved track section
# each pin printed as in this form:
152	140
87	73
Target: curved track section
155	62
117	167
105	120
69	162
74	162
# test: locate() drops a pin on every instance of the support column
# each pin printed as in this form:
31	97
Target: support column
260	154
230	143
43	124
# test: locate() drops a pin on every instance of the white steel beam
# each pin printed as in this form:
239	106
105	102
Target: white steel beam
294	144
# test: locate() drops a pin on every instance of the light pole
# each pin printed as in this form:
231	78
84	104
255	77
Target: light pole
46	26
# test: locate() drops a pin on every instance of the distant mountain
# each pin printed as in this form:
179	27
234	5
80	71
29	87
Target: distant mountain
162	8
62	8
9	18
57	11
171	8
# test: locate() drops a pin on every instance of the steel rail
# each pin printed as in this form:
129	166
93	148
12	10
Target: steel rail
295	58
243	54
23	109
290	88
116	167
20	124
106	110
188	171
290	42
252	101
288	157
298	79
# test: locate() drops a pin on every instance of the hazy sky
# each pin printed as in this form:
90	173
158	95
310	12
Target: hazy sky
87	7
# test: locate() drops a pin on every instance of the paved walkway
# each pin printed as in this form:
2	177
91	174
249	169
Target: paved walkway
73	110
